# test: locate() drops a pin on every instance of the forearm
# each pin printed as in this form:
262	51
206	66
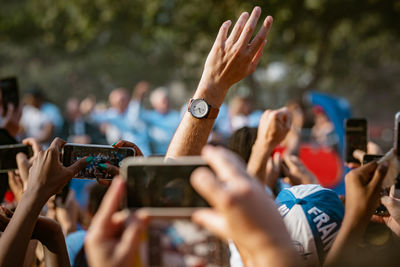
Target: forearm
52	238
192	133
56	257
15	239
257	164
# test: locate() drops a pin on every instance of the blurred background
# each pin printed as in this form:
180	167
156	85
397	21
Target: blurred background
76	48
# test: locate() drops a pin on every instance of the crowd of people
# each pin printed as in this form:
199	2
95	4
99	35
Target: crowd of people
264	202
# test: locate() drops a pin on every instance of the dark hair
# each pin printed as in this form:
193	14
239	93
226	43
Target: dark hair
242	141
96	194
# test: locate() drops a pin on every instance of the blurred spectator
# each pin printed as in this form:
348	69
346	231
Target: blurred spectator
76	240
77	129
121	121
161	122
242	113
323	131
35	122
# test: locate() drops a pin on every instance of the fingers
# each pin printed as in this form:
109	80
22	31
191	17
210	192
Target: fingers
212	221
57	144
359	154
36	147
23	166
207	185
257	57
109	169
261	36
224	163
110	203
238	28
249	28
6	211
379	175
78	165
131	237
223	33
123	143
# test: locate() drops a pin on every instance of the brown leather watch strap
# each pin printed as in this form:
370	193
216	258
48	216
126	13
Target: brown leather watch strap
213	113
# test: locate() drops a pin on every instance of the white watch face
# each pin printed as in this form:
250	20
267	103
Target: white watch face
199	108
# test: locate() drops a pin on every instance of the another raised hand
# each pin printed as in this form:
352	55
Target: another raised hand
242	211
231	58
273	128
117	245
297	172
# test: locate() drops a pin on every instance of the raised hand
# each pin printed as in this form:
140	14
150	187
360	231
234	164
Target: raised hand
234	57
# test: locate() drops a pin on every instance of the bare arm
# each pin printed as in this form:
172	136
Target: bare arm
230	60
273	127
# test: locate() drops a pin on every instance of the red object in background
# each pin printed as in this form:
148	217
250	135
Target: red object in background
324	162
9	197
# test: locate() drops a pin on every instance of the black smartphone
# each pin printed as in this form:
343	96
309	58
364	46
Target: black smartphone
100	155
370	157
9	93
8	155
356	138
397	133
162	187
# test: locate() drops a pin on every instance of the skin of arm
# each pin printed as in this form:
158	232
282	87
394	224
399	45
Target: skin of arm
229	61
362	198
46	177
273	127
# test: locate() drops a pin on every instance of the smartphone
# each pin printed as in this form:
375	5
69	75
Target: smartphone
356	138
370	157
100	153
8	155
397	133
182	243
161	186
9	93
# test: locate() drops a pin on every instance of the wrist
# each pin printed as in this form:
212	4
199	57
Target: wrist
213	93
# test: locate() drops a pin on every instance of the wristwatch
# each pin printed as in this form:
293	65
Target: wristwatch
200	109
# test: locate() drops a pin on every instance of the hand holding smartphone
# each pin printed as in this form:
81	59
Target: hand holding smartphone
99	157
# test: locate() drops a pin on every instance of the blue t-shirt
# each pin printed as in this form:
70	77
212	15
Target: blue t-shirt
74	242
161	128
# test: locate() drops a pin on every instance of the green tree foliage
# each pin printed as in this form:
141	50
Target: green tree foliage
77	47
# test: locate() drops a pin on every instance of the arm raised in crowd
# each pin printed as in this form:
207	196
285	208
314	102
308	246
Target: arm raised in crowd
273	128
47	176
242	211
231	59
363	187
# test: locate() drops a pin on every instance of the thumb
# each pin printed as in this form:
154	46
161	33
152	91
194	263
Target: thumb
79	165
